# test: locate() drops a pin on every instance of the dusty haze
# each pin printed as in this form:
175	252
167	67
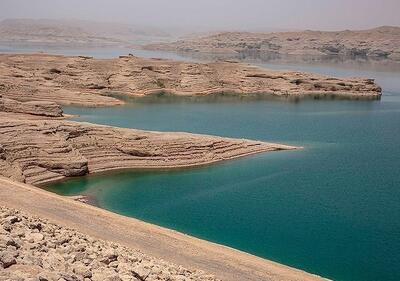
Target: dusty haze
208	15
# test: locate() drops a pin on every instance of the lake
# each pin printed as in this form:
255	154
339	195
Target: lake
331	209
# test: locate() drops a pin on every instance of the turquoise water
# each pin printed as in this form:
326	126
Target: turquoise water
99	52
331	209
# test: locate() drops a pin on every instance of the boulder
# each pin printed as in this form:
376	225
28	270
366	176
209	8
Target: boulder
7	258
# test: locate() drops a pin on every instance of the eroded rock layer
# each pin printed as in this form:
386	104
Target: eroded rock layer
36	151
382	43
91	82
40	108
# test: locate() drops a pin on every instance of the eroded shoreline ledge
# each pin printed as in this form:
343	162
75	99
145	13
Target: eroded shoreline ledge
91	82
38	145
38	151
377	44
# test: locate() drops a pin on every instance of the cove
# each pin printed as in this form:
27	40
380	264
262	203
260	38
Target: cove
331	209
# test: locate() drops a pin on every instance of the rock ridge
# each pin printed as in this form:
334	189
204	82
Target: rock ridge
93	82
382	43
40	108
38	151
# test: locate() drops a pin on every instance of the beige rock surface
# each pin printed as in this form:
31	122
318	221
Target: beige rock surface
36	151
37	145
90	82
41	108
162	244
378	43
70	255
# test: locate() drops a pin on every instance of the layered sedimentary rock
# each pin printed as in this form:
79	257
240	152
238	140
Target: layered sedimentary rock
35	151
70	255
40	108
37	145
91	82
378	43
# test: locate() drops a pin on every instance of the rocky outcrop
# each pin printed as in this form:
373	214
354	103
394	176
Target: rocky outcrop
92	82
36	151
381	43
35	249
41	108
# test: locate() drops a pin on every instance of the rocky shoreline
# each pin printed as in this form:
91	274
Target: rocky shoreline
32	248
38	151
92	82
38	145
128	237
381	43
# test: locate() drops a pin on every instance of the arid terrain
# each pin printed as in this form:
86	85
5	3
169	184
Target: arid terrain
75	33
130	243
36	151
38	145
92	82
71	255
199	140
382	43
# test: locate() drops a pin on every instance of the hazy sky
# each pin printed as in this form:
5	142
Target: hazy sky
216	14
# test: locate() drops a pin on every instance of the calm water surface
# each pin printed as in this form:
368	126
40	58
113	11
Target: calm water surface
331	209
99	52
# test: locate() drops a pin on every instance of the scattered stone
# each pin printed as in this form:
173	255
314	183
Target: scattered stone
7	258
12	242
14	219
36	225
61	254
34	237
110	256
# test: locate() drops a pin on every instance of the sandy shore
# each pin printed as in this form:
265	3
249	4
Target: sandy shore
223	262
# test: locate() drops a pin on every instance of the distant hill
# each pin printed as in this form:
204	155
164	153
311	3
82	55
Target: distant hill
378	43
75	32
